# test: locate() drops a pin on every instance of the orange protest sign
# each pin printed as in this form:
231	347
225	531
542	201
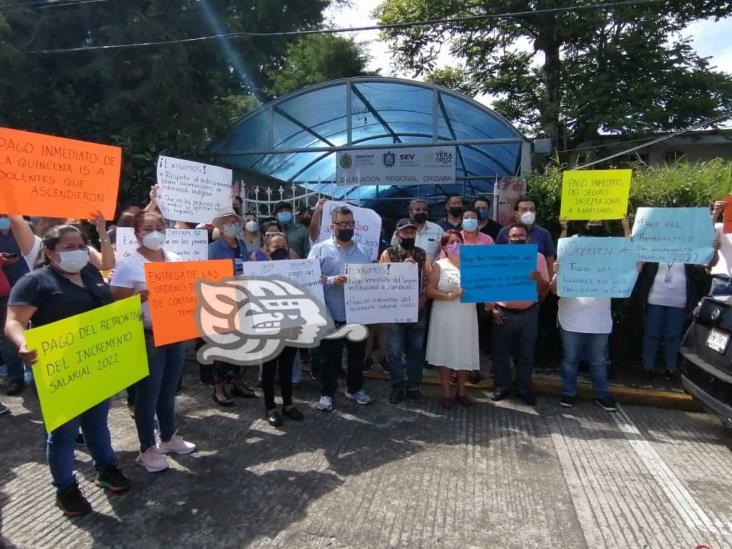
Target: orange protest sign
727	227
52	176
172	295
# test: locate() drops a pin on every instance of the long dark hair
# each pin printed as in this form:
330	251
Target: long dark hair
52	237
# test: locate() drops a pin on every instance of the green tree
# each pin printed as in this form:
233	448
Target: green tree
319	58
169	99
453	78
575	74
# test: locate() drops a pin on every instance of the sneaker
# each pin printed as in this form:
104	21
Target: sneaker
359	396
567	401
71	501
15	387
292	413
152	460
111	478
3	409
415	395
396	396
607	404
176	445
325	404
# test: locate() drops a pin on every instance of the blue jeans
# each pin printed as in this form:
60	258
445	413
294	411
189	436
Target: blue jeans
720	286
406	339
573	345
62	441
662	324
155	394
8	350
516	338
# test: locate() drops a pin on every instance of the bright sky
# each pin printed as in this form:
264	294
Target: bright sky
710	38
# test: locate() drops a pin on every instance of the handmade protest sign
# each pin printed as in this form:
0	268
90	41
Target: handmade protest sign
192	191
379	293
596	267
187	244
367	232
498	273
727	227
595	194
305	272
43	175
87	358
172	295
674	235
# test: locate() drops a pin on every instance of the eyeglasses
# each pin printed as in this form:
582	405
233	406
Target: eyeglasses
345	225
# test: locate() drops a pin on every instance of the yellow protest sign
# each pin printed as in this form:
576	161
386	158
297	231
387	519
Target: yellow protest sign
595	194
87	358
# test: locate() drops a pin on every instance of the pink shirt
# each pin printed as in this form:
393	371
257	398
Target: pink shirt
483	240
543	273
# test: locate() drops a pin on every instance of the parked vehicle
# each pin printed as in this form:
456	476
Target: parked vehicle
706	368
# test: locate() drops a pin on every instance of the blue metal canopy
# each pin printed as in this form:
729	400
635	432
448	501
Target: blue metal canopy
295	138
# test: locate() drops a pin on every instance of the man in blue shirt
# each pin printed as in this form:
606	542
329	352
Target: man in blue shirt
229	245
524	212
334	255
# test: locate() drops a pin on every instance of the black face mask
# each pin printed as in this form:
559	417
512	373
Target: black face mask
407	243
420	217
521	241
344	235
595	230
280	253
305	221
456	211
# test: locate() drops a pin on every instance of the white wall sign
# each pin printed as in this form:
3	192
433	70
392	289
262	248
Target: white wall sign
192	191
402	166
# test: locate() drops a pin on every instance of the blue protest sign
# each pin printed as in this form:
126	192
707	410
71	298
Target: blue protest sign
674	235
498	273
596	267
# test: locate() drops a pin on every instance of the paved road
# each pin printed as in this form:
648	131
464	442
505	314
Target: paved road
384	476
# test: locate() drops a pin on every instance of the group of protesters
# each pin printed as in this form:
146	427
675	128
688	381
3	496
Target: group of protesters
50	271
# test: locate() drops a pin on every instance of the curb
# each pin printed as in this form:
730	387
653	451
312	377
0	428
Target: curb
657	398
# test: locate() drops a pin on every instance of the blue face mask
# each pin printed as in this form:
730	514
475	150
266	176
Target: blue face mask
284	217
470	224
4	223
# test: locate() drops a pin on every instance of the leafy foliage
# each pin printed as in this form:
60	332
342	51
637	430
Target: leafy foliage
571	75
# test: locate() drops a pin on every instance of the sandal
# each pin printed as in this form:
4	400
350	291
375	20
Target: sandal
221	402
243	391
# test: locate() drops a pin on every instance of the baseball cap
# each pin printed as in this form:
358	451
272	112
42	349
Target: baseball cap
403	223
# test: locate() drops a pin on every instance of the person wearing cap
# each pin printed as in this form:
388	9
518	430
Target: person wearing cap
428	233
229	245
407	339
297	235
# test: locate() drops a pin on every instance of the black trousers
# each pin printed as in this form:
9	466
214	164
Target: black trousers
281	365
332	351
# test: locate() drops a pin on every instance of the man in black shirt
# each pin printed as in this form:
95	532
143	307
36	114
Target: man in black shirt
486	224
453	219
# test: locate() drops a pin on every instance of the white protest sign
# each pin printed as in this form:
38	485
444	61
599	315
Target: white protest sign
368	227
381	293
189	244
305	272
397	166
192	191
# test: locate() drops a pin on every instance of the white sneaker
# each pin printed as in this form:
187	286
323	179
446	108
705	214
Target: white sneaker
152	460
325	404
359	396
176	445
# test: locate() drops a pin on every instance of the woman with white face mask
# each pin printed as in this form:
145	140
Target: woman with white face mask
67	285
250	236
155	394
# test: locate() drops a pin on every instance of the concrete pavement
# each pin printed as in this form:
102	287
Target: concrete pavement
413	475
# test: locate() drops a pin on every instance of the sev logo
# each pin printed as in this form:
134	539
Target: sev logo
248	321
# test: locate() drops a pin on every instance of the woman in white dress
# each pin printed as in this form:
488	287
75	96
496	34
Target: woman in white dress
452	343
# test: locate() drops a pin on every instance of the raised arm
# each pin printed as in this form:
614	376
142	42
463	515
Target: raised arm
22	233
